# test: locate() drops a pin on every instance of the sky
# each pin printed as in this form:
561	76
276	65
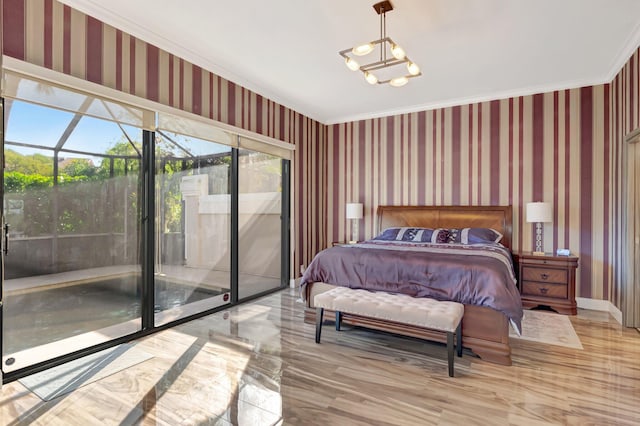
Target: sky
39	125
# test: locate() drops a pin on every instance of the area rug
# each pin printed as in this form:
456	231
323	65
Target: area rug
549	328
67	377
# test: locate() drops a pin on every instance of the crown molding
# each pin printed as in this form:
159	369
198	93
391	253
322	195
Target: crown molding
625	52
109	17
106	15
493	96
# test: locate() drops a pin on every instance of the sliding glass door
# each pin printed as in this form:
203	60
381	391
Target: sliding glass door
72	271
120	220
193	226
259	223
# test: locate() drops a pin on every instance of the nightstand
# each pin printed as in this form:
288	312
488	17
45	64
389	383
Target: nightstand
547	280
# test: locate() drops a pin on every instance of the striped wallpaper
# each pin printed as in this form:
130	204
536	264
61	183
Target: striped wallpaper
55	36
565	147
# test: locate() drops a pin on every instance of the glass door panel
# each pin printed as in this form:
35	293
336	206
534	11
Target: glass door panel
193	240
259	223
72	274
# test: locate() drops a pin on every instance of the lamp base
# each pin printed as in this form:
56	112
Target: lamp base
354	231
538	253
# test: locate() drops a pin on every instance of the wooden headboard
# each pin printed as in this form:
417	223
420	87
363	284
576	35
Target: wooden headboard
496	217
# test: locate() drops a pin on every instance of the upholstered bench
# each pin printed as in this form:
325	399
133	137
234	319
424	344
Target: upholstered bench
400	308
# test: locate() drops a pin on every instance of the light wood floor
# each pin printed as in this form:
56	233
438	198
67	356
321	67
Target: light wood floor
257	364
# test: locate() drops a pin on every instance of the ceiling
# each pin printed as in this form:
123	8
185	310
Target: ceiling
468	50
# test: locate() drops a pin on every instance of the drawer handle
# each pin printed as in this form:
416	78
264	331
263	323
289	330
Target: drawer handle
544	290
544	276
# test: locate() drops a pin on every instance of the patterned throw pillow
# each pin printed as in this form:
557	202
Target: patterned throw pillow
483	235
420	235
441	236
455	235
474	236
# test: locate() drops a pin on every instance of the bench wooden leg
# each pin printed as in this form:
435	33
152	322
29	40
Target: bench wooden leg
459	339
450	352
338	320
319	315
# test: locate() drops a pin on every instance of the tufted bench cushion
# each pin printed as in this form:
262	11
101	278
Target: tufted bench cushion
419	311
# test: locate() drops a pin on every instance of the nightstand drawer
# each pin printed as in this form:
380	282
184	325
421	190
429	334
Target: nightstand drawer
544	289
546	275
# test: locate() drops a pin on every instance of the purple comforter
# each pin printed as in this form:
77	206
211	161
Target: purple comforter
477	274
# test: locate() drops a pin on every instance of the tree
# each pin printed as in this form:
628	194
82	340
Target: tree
28	164
121	149
79	167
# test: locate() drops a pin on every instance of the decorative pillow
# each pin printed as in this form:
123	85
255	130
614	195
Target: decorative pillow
422	235
455	235
482	235
441	235
388	234
474	235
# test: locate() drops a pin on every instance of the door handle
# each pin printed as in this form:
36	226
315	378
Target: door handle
6	239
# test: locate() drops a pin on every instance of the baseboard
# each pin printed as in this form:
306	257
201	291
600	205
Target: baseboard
293	283
617	313
599	305
593	304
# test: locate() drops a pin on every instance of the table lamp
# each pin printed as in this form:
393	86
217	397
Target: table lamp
539	213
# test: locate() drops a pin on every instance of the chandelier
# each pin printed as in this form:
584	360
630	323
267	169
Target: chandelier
392	56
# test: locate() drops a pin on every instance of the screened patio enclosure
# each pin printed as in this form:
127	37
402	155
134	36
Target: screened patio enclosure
120	220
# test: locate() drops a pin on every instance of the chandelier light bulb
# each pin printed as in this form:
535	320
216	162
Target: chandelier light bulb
363	49
398	81
371	79
352	64
413	68
398	52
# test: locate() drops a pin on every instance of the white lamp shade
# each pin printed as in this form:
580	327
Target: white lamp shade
413	68
352	64
398	52
354	210
371	79
398	81
363	49
539	212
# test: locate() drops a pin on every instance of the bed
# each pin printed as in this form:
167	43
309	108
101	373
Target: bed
485	329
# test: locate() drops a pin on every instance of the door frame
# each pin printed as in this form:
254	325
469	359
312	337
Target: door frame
3	242
630	279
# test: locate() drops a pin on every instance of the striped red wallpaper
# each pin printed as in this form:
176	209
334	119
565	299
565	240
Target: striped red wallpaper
565	147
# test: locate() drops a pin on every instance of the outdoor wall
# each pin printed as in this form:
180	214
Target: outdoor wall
207	240
73	226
